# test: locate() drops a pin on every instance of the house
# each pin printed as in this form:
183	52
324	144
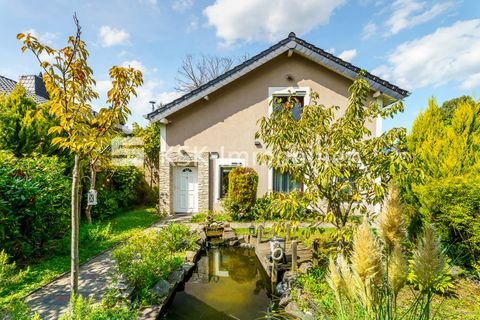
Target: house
209	131
32	83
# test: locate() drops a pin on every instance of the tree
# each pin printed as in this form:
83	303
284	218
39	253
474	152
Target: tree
342	167
71	87
448	107
448	142
151	147
193	72
24	124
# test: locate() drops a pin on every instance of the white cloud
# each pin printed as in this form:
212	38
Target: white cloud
151	90
110	36
254	20
369	30
410	13
134	64
348	55
450	54
472	81
47	38
182	5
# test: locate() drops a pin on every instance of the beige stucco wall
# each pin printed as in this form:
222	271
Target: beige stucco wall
226	123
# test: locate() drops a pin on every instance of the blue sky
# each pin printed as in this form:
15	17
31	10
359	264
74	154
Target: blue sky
431	48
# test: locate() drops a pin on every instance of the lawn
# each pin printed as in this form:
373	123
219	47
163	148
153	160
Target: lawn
94	239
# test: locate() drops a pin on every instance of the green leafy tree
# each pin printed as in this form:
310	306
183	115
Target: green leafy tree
151	147
71	87
24	124
449	107
343	167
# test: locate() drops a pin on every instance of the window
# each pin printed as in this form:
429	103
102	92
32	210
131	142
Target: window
283	182
282	101
224	171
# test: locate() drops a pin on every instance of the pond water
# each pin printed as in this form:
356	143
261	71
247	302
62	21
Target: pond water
227	283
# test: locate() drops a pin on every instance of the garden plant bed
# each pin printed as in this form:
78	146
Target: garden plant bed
51	268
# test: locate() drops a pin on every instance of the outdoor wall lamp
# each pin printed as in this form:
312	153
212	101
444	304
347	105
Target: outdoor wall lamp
289	77
214	155
258	144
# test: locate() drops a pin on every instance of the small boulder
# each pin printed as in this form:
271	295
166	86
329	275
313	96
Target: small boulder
284	301
161	288
187	267
176	277
293	309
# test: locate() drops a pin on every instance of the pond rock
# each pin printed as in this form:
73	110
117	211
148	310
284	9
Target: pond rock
284	300
176	277
293	309
304	267
187	267
190	255
161	288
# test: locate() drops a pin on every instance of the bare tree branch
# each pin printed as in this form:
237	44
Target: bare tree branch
194	72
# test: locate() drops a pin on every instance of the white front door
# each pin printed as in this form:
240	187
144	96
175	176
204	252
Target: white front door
186	188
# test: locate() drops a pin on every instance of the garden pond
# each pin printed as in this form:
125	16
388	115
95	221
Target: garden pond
227	283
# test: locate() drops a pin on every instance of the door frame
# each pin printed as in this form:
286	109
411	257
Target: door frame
176	172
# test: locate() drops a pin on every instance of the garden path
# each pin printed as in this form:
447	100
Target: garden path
51	300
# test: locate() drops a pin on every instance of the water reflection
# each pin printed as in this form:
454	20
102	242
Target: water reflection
227	283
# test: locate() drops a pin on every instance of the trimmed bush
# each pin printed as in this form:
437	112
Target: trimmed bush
242	192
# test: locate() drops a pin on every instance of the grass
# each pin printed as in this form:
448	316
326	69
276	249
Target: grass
305	235
94	239
463	303
217	217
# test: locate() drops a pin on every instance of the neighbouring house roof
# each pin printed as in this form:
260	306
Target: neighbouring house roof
32	83
298	46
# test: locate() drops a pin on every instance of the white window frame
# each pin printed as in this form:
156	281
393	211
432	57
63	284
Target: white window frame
285	91
217	164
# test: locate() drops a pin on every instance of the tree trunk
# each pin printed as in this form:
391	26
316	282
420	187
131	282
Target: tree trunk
75	269
93	178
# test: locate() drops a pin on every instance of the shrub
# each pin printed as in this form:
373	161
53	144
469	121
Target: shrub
262	208
150	256
198	218
178	237
145	259
18	310
242	192
83	309
453	205
98	232
120	189
34	203
8	272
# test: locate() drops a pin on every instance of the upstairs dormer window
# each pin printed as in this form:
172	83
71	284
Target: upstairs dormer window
293	102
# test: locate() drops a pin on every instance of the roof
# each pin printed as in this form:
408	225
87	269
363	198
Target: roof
298	46
32	83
